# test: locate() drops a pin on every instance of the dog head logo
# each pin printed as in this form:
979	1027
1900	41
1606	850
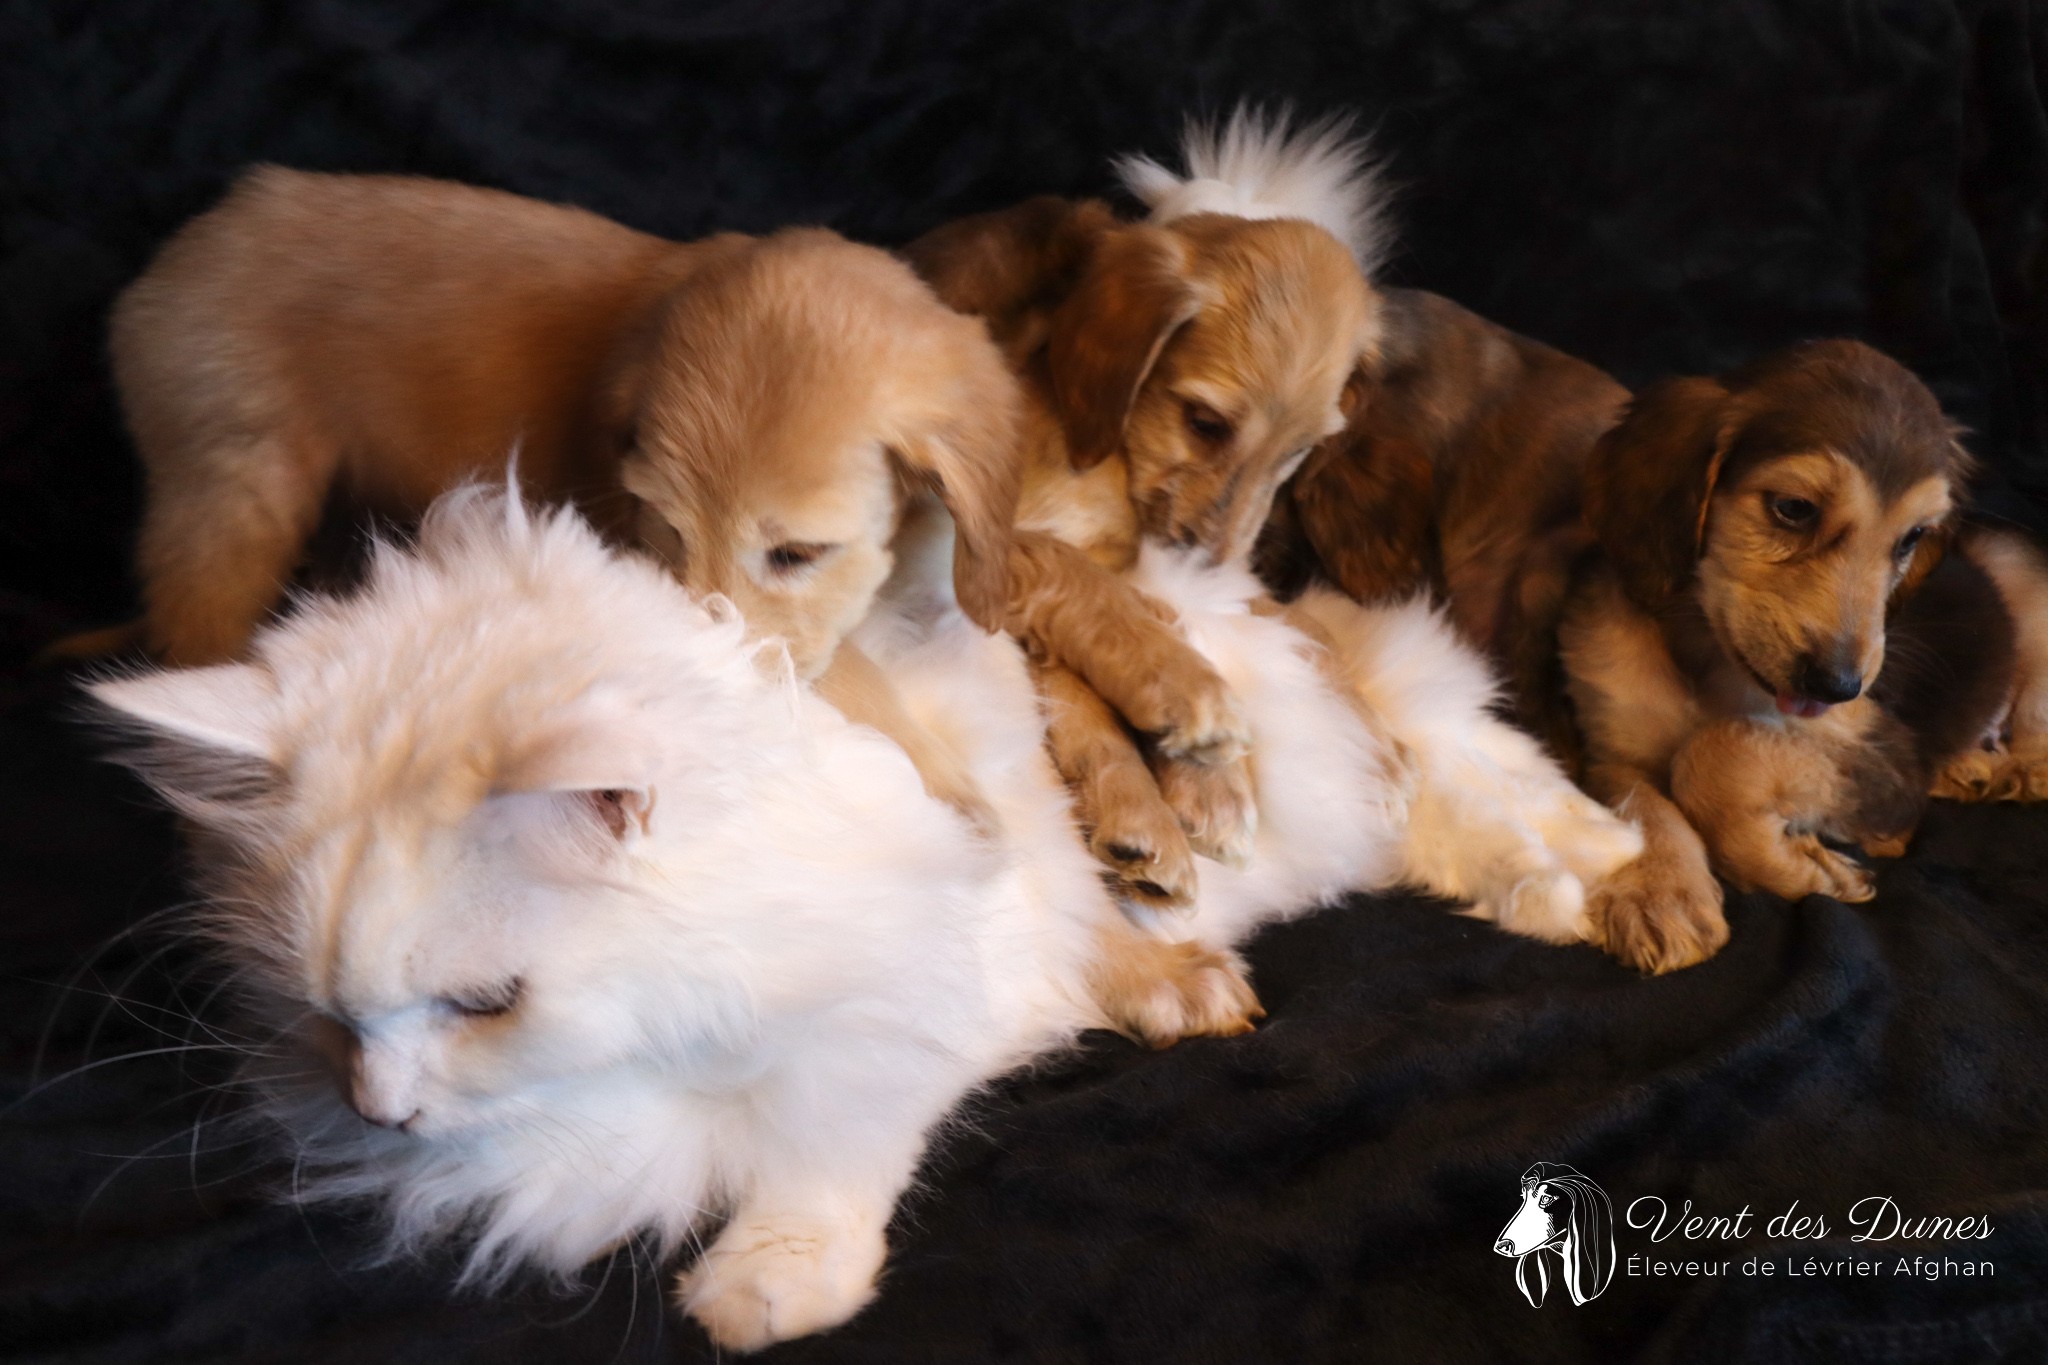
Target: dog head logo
1564	1219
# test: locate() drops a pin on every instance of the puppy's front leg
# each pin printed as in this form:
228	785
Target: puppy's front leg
862	693
1662	911
1158	993
1130	829
1067	608
1756	794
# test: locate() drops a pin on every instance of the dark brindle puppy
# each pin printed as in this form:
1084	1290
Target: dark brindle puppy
1768	541
1459	473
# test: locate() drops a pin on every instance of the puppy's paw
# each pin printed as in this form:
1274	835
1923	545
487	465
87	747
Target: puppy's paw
1158	993
1139	838
2026	776
769	1279
1215	805
1658	914
1829	874
1977	775
1187	705
1550	906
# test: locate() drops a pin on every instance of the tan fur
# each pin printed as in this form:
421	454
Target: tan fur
1761	796
1662	911
1158	993
384	338
863	694
2011	764
760	413
1129	827
1458	472
1216	804
1772	600
1718	605
1175	374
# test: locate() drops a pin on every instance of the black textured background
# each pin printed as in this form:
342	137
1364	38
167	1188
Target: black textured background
1658	185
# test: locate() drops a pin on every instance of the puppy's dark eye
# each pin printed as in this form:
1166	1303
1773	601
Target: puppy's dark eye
1909	542
792	555
1794	514
1207	423
488	1004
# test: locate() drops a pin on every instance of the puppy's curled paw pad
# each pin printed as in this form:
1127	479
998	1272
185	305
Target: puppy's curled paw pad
1842	877
1144	847
767	1281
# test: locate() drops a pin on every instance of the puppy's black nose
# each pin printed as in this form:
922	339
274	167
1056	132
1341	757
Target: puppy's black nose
1821	680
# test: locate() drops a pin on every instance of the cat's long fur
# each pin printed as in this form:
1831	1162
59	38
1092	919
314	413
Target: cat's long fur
608	931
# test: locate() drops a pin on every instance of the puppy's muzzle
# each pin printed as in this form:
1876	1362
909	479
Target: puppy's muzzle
1830	680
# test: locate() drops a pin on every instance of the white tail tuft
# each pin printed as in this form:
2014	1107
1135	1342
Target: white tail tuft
1258	166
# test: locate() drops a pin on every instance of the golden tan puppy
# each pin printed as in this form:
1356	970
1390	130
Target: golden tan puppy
387	337
1769	541
771	406
1176	371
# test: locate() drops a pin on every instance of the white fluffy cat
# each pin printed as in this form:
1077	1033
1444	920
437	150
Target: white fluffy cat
601	928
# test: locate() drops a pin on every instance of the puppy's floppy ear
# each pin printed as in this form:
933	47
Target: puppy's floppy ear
1003	265
1366	502
965	448
1649	481
1109	332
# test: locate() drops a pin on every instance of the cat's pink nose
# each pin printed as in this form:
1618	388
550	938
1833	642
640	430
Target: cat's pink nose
380	1112
384	1120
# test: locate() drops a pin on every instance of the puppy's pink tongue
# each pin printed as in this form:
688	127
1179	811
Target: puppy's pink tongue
1800	706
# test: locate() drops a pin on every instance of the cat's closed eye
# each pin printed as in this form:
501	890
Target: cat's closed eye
490	1003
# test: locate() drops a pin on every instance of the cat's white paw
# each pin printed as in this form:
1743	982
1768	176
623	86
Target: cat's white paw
1546	905
1593	841
767	1280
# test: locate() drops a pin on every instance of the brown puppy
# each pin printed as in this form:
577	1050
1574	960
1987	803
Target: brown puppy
1458	474
1768	540
770	405
1176	371
2009	761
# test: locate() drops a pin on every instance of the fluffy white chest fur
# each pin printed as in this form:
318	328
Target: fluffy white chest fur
1410	779
596	927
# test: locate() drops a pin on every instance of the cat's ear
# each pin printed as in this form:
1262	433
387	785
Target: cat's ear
228	707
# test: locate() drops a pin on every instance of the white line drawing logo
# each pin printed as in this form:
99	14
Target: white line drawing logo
1564	1218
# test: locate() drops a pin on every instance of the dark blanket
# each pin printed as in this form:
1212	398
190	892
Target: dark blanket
1654	186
